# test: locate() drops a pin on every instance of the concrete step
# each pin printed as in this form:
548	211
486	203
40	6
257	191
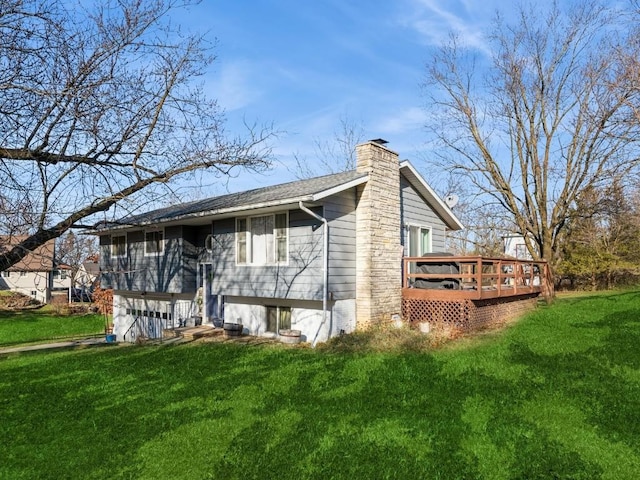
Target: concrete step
193	333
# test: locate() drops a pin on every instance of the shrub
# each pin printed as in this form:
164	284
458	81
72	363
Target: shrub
103	298
60	305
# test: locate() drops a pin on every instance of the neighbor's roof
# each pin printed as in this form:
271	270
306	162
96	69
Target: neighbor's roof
309	190
39	260
91	267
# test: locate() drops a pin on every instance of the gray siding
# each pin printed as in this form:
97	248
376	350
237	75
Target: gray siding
340	211
174	271
300	279
415	210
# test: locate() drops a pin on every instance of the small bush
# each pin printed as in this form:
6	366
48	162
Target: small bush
60	305
103	299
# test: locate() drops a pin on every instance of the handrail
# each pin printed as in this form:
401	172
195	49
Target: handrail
157	323
124	337
476	276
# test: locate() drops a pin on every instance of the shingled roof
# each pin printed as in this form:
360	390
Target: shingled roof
38	260
307	190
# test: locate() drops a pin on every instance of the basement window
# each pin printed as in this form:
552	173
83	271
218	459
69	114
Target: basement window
278	318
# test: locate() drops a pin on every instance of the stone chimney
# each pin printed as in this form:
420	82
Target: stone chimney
378	247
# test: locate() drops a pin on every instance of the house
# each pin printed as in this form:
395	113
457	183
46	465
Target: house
86	279
322	255
514	246
61	280
35	275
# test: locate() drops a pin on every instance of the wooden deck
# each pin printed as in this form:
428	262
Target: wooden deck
474	278
468	292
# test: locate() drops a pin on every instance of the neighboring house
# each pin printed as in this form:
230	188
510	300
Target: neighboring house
34	274
322	255
514	246
61	280
87	275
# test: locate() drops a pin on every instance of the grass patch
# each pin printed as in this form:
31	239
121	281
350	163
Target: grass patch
32	326
556	395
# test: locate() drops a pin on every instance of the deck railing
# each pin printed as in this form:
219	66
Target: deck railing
473	277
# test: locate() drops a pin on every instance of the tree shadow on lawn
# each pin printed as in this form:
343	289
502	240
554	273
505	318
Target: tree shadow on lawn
228	411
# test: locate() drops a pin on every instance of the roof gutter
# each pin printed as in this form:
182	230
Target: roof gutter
325	288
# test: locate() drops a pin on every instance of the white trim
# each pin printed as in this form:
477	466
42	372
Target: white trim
441	208
340	188
421	227
249	240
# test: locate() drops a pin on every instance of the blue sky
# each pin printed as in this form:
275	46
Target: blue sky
305	65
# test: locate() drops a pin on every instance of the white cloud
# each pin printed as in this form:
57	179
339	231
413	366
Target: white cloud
434	22
412	118
234	85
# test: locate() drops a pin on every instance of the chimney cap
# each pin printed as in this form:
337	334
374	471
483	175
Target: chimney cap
379	141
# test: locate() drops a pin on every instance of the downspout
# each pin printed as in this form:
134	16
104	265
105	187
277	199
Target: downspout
325	266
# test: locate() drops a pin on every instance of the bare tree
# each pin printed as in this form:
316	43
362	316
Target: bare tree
99	103
549	120
335	155
73	250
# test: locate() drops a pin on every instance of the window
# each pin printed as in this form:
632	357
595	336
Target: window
153	242
281	238
6	274
23	273
241	240
119	246
60	274
278	318
262	240
419	240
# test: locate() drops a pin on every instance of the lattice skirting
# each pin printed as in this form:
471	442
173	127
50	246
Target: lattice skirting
465	314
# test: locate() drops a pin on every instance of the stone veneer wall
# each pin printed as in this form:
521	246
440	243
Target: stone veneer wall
379	251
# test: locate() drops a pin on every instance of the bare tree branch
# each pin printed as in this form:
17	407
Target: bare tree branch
551	119
100	102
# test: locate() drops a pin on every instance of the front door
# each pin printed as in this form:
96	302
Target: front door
210	307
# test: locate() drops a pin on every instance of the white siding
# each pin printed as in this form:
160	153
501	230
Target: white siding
305	316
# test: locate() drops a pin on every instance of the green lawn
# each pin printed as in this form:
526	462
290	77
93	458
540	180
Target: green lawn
557	395
31	326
